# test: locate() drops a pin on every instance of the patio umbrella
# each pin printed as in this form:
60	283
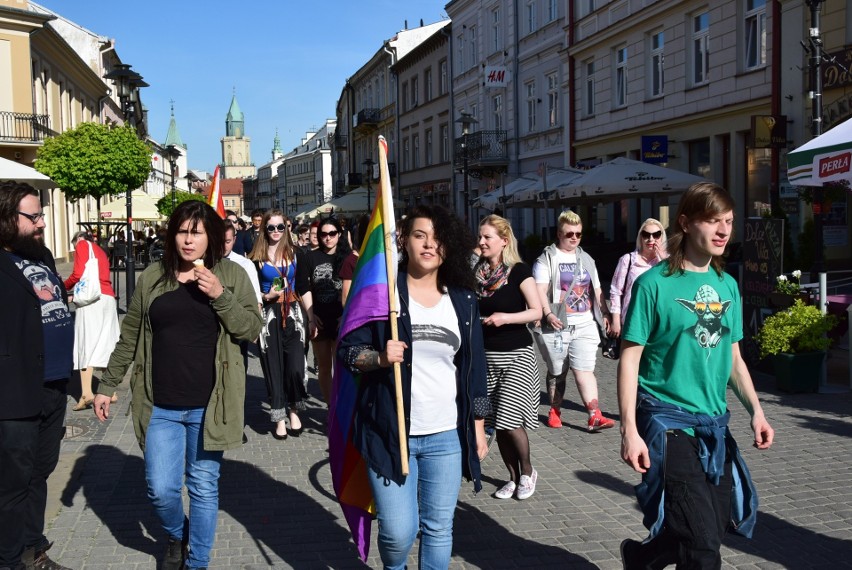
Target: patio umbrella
17	172
144	208
825	158
625	178
354	202
494	198
556	179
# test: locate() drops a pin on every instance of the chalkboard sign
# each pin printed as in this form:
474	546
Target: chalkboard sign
763	254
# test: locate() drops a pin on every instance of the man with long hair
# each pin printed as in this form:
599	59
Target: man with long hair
38	340
680	353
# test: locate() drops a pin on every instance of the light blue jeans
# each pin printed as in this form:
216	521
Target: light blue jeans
426	502
174	448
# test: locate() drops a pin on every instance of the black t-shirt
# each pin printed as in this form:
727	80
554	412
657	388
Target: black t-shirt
183	352
507	299
326	286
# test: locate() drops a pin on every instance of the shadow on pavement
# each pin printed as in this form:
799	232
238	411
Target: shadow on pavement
484	543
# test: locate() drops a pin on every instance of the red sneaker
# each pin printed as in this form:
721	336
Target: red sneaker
598	422
554	418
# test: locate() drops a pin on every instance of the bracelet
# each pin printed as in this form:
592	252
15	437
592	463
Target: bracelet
548	314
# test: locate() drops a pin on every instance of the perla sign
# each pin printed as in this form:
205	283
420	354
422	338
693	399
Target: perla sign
496	76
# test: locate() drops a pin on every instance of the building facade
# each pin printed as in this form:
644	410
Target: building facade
305	176
236	146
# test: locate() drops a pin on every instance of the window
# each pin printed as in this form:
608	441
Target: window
414	91
445	143
474	112
700	48
620	95
531	106
405	96
415	151
585	7
405	155
474	56
755	33
589	90
532	24
497	112
460	61
552	100
427	81
496	37
442	79
552	10
429	157
656	64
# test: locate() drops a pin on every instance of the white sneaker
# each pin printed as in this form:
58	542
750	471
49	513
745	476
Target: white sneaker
527	486
506	491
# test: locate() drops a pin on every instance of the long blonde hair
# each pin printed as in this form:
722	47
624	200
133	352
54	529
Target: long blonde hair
285	251
661	241
504	230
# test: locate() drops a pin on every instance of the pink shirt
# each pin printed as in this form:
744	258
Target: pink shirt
619	289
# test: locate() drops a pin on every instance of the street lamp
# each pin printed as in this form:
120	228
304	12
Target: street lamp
814	48
173	154
128	83
466	120
369	164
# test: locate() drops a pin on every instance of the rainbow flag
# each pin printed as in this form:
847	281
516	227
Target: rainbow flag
215	198
368	301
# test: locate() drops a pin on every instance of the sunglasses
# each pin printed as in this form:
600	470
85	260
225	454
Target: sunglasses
649	235
34	218
571	235
332	233
273	228
715	308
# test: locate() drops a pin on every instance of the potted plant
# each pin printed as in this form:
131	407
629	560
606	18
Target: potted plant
788	290
796	339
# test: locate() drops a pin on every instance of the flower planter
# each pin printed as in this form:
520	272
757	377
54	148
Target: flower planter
798	372
785	300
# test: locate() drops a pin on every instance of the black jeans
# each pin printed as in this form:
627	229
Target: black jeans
697	512
29	451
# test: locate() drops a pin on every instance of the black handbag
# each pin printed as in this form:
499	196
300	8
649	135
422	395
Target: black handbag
611	347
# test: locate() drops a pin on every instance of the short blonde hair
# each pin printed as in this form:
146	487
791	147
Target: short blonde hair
569	217
504	230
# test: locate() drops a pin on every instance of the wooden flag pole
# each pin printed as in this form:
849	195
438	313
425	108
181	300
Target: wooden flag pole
388	226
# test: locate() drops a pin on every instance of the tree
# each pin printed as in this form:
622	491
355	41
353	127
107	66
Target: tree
95	160
164	204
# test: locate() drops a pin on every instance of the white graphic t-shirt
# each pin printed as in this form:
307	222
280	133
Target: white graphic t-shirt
575	291
435	341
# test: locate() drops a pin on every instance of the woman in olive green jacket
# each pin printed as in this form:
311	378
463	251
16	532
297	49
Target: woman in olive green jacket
182	333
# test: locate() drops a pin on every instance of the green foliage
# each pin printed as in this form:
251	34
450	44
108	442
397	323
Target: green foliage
788	286
95	160
164	204
801	328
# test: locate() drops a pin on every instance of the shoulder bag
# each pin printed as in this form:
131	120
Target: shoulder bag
88	288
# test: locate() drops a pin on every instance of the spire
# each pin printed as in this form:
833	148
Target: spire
234	122
173	136
276	147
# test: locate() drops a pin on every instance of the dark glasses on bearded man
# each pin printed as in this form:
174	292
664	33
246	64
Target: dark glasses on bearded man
649	235
276	228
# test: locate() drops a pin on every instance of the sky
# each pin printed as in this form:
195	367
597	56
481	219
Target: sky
286	60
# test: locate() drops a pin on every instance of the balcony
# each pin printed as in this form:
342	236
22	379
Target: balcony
24	127
486	150
338	140
366	119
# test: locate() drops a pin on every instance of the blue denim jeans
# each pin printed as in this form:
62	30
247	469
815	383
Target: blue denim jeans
430	490
174	447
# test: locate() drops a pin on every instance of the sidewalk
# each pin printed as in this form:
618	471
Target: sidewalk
277	508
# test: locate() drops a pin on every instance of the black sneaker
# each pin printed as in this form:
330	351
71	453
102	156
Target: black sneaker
32	559
175	554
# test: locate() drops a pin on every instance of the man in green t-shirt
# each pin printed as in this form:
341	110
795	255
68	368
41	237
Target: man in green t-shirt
680	352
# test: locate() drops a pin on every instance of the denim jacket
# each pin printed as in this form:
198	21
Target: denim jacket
375	431
653	419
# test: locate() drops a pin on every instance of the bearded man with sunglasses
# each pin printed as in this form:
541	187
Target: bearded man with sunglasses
680	352
37	354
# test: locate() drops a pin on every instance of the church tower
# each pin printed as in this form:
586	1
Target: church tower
236	146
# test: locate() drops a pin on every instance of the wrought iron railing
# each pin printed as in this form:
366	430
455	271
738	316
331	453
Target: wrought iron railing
24	127
367	117
481	148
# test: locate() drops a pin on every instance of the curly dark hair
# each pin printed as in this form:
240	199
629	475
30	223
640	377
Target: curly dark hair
455	244
11	194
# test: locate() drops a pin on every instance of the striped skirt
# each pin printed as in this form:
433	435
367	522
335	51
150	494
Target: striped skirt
513	388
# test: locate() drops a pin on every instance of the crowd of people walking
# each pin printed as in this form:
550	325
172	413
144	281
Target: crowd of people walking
466	348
